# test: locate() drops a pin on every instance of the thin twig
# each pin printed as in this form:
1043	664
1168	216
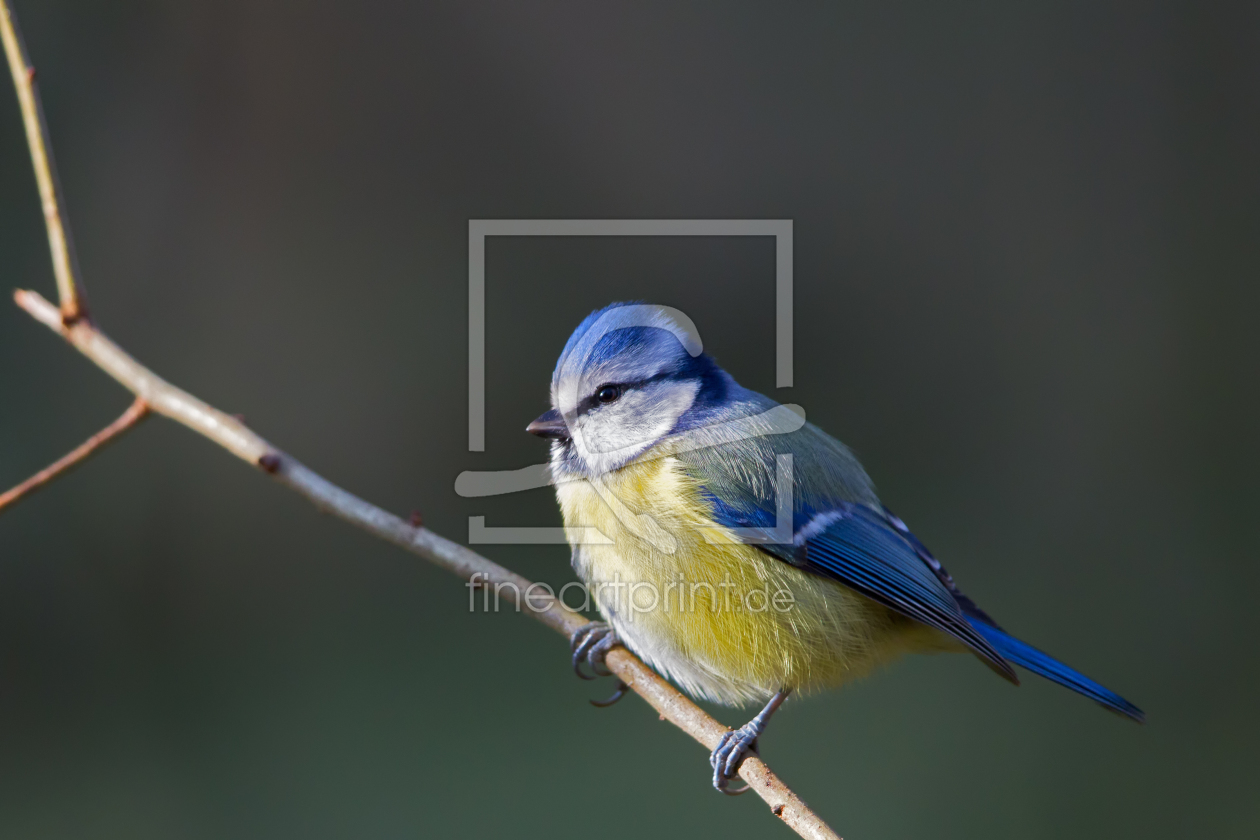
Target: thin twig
133	415
233	435
65	261
229	432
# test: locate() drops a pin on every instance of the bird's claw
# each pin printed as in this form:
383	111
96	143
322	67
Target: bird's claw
736	744
622	688
729	754
590	643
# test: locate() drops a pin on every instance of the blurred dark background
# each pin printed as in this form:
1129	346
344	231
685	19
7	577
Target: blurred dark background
1026	294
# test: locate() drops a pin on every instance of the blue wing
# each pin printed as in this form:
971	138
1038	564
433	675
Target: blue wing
1014	650
859	547
873	553
840	531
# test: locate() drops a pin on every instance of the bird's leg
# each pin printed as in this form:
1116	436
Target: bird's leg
590	644
730	751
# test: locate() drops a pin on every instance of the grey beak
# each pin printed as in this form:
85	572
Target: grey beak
550	425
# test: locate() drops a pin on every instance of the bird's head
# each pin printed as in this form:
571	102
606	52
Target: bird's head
627	377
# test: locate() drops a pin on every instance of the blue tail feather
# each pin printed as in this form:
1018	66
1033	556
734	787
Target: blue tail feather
1027	656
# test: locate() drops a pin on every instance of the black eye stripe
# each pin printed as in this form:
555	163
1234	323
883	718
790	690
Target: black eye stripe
593	401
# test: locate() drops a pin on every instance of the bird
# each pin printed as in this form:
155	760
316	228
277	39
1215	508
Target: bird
737	549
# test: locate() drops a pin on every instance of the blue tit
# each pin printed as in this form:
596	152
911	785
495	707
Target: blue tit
738	550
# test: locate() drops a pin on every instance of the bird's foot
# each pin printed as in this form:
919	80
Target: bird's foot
736	744
729	754
590	644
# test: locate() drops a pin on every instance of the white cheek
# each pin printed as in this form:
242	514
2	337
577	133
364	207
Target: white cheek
608	438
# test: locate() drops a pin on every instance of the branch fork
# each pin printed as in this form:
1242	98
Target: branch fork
155	395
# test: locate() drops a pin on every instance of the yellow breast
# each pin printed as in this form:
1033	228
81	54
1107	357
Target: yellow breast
724	620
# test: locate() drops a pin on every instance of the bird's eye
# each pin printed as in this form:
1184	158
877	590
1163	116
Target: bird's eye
608	393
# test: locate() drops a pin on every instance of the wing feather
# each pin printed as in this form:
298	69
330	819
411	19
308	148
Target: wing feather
861	550
841	531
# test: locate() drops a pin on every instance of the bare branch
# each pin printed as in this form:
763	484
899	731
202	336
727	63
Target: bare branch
133	415
65	261
237	438
229	432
